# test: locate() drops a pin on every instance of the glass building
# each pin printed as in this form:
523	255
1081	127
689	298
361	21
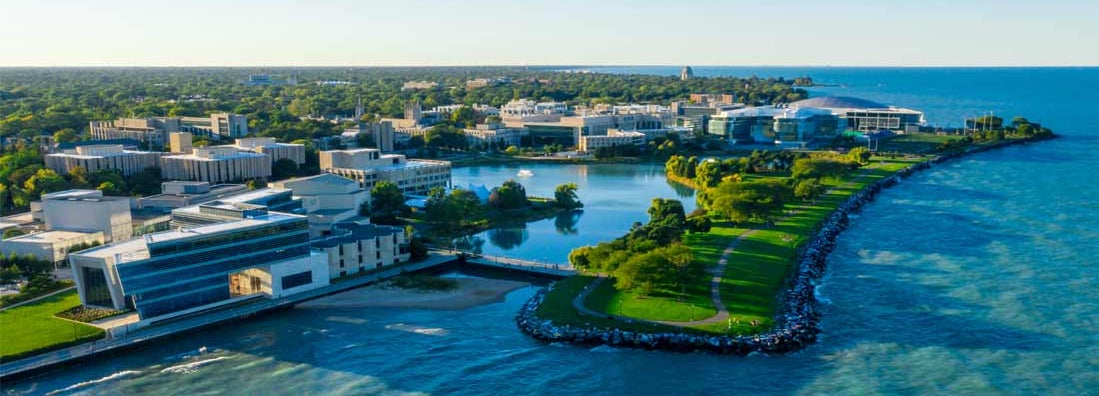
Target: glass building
252	252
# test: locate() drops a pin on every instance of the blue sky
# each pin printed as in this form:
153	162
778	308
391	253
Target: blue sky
532	32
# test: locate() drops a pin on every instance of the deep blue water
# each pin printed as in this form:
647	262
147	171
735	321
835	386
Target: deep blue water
975	277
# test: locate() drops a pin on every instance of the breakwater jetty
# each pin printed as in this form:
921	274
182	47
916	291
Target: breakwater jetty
796	326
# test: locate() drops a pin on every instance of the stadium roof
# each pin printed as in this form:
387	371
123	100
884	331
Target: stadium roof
839	102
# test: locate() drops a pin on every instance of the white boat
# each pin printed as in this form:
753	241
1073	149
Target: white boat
525	173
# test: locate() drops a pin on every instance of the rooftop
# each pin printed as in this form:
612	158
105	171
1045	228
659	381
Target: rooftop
138	248
51	236
838	102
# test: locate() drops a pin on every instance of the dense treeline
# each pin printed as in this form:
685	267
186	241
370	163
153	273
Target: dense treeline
47	101
648	258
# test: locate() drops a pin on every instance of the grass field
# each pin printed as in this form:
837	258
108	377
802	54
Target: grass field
753	280
32	328
914	142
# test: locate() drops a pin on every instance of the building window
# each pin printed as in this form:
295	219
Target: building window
298	279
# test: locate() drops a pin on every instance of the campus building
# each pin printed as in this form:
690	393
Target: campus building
155	130
88	211
102	157
526	110
253	253
178	194
274	150
368	166
495	133
327	199
381	133
776	125
52	246
274	199
216	164
358	246
613	138
864	115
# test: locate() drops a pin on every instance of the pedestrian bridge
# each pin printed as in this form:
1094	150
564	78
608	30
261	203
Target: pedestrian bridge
531	266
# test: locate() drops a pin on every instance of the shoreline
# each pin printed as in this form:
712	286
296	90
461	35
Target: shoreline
796	326
470	292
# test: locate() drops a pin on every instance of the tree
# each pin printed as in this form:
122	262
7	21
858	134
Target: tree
808	189
12	233
708	174
818	168
109	188
45	181
565	196
147	182
642	272
755	200
9	274
284	168
683	267
78	177
386	202
65	135
510	195
698	223
859	155
512	151
463	117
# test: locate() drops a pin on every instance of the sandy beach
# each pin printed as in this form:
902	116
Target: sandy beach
470	292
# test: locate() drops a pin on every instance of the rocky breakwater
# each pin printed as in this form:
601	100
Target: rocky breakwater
795	328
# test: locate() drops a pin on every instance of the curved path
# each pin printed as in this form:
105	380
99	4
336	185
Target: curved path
715	282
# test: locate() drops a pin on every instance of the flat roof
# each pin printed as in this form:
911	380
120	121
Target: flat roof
51	236
138	248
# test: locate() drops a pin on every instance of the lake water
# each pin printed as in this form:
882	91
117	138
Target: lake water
614	196
975	277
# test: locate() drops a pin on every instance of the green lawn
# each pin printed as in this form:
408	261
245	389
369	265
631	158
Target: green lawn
753	280
32	328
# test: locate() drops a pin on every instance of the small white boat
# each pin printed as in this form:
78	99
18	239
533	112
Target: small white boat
525	173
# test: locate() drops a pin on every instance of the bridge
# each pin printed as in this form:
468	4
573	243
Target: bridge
531	266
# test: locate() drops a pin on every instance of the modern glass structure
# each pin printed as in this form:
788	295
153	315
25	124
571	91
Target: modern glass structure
177	270
768	124
864	115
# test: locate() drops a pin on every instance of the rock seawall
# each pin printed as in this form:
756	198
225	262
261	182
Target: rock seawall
795	328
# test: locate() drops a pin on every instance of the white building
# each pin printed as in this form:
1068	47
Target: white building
155	130
103	157
613	138
526	110
368	166
327	199
88	211
52	246
273	149
216	164
495	133
178	194
359	246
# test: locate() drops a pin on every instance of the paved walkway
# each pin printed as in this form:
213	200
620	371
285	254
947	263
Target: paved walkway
722	314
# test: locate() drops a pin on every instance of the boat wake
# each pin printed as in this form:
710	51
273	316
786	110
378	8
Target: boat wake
191	367
86	384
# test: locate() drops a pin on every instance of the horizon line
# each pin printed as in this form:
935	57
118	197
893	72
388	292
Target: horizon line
151	66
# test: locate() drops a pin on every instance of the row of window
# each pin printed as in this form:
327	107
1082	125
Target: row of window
231	264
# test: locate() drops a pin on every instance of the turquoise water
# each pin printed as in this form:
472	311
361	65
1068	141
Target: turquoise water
975	277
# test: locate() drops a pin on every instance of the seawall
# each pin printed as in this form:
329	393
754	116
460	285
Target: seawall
796	327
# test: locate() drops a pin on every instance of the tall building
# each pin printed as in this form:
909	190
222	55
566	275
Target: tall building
381	133
368	166
614	137
686	73
180	142
88	211
103	157
253	253
216	164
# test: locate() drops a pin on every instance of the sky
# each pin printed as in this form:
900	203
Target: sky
561	32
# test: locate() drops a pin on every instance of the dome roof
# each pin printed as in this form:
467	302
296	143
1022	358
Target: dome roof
838	102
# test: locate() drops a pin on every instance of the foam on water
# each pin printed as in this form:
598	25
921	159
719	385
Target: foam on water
85	384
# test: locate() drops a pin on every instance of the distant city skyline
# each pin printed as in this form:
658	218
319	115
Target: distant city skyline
566	32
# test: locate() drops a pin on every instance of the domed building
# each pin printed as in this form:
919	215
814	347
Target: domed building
686	73
864	115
